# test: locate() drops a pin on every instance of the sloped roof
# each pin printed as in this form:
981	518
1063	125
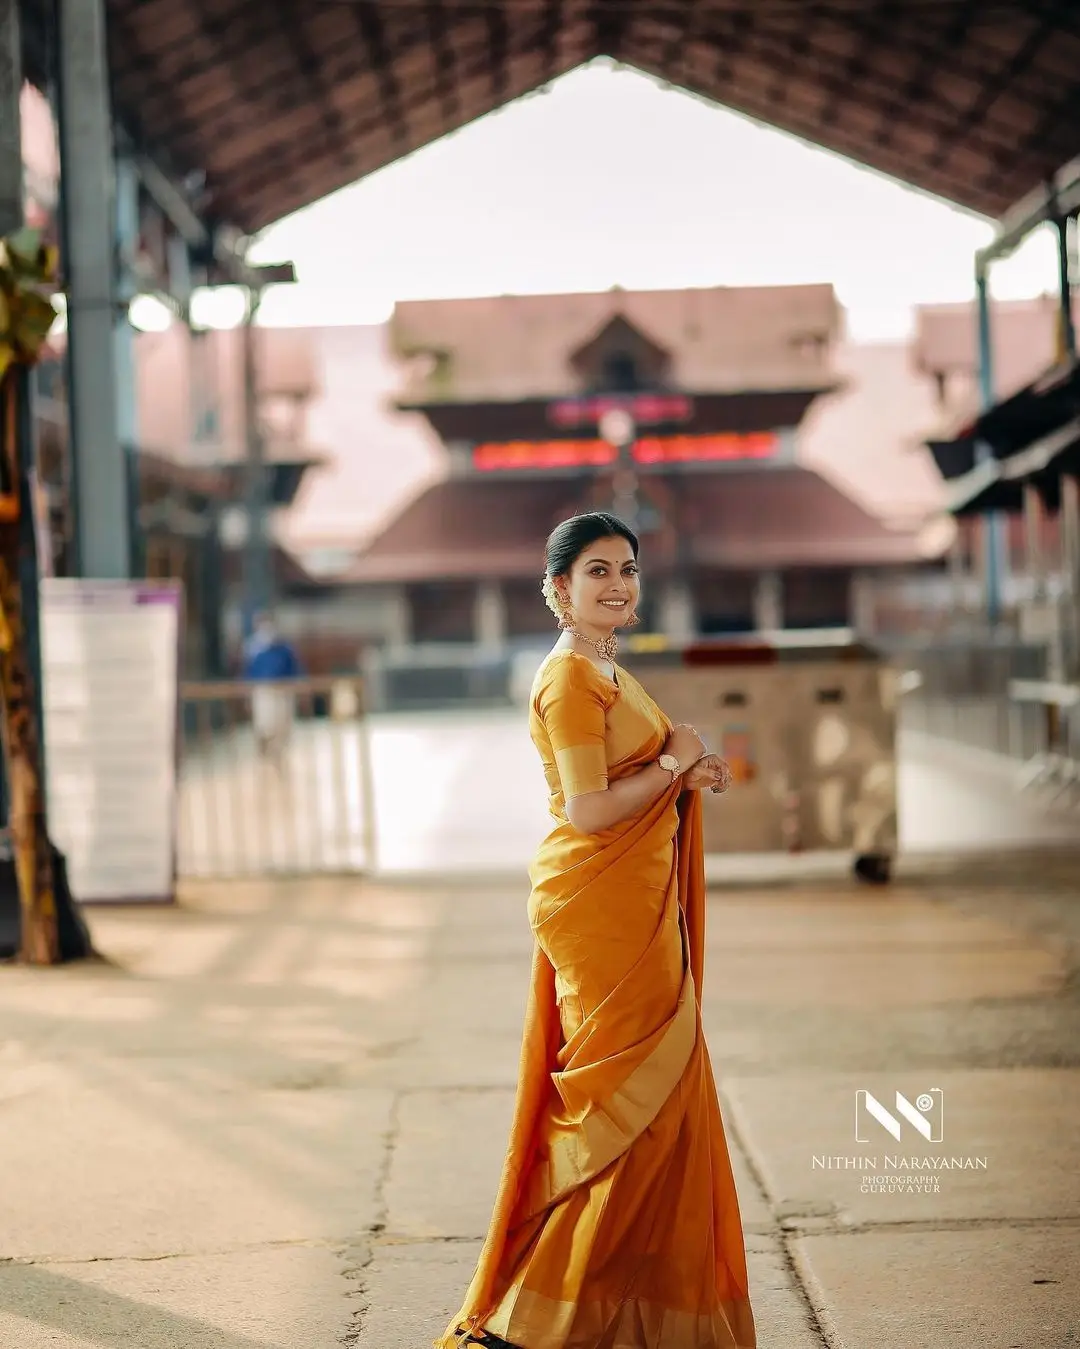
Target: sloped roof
278	105
720	339
868	437
1024	344
785	518
465	527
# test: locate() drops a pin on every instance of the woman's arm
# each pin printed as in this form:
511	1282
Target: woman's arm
594	811
590	812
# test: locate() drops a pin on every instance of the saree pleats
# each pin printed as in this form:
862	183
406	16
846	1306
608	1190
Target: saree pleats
616	1224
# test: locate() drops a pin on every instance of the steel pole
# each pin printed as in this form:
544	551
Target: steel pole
258	579
1067	329
992	524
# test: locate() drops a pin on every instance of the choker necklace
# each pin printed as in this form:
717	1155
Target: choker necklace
607	648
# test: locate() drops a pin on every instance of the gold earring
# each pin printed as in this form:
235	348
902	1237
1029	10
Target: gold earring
632	621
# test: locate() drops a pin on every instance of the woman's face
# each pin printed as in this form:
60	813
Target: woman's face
604	583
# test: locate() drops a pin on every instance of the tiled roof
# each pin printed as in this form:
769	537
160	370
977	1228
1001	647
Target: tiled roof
1023	345
785	517
868	437
723	339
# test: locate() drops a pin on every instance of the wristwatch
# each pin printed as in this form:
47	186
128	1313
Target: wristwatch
670	764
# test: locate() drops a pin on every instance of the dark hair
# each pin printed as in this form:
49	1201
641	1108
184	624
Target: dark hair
568	540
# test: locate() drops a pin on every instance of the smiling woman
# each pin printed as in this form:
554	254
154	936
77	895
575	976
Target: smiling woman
616	1221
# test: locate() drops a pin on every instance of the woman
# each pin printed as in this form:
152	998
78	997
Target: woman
616	1224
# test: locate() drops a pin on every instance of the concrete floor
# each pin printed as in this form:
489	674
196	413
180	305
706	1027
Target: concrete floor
274	1119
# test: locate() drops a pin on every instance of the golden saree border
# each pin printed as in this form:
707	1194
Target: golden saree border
581	1148
543	1323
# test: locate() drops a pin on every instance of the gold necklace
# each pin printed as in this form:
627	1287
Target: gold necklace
607	648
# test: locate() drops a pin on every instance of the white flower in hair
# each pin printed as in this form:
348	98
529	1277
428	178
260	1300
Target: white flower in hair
551	596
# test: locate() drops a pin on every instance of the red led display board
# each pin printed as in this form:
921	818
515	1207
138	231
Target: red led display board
695	449
543	454
726	446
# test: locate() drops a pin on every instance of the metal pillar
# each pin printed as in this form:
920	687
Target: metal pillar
992	525
100	469
1070	548
127	421
11	166
1066	329
258	580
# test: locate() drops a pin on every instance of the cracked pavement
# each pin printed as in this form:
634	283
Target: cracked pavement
274	1118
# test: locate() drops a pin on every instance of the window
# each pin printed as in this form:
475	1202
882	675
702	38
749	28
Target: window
620	373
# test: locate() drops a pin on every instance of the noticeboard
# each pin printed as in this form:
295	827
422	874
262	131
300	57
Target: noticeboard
110	688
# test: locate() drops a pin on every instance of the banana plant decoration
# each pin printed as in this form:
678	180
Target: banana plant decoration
28	272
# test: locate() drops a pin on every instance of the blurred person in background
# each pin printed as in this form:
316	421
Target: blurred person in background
616	1221
268	659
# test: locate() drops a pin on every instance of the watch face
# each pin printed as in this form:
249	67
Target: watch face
669	762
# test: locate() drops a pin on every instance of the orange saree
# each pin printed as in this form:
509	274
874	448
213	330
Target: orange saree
616	1224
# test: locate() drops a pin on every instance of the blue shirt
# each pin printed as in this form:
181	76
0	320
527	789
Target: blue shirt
273	659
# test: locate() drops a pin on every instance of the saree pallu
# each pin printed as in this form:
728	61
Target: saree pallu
616	1224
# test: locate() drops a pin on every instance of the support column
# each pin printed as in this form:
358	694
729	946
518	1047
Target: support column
1033	542
1070	547
399	634
11	165
862	604
100	471
258	580
489	616
127	420
1066	328
993	530
769	602
678	617
958	576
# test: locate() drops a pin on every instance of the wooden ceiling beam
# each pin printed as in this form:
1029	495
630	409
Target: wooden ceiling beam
1060	115
768	48
445	62
314	75
498	52
975	114
916	89
369	24
868	41
750	100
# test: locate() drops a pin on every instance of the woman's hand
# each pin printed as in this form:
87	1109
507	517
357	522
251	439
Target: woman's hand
686	745
710	771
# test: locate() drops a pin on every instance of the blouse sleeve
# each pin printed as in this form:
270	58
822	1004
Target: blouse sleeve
572	707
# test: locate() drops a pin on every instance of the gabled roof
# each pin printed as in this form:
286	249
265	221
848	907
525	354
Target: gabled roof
278	105
722	339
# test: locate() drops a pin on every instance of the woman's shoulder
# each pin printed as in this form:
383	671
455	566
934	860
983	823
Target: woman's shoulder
564	670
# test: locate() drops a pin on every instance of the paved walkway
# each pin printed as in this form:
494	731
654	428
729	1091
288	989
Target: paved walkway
274	1119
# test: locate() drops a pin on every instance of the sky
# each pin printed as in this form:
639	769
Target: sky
610	178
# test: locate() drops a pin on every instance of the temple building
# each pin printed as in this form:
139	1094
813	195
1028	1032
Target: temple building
711	391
